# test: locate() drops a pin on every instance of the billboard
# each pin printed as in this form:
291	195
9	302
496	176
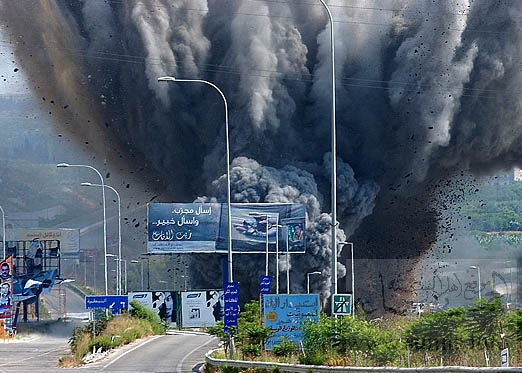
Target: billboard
203	227
286	314
164	303
202	308
6	292
69	237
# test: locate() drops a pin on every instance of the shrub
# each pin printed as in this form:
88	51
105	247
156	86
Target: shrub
139	311
286	348
104	342
314	357
251	351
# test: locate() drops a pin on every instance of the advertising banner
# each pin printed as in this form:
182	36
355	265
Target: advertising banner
6	286
203	227
164	303
69	237
202	308
286	314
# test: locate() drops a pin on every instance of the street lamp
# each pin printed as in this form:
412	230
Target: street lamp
230	275
334	156
3	225
94	272
308	280
353	276
141	263
104	214
267	218
478	271
119	226
173	79
112	256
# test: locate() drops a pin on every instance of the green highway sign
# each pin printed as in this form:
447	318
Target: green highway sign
342	304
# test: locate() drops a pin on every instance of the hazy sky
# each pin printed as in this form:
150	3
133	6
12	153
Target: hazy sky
12	82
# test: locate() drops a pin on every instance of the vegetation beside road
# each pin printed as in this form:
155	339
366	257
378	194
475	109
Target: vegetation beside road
464	336
111	332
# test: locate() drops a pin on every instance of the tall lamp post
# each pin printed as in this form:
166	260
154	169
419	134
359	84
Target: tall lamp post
94	273
334	156
353	276
119	226
308	280
104	215
173	79
115	258
478	271
230	275
141	263
3	227
267	217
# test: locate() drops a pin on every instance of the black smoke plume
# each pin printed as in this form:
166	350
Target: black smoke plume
424	89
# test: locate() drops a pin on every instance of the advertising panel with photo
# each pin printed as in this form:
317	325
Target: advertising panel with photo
202	308
6	286
164	303
285	315
203	227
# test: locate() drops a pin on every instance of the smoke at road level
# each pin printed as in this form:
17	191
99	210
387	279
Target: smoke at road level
424	89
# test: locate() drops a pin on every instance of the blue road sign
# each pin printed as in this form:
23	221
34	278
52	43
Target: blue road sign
115	303
231	296
264	284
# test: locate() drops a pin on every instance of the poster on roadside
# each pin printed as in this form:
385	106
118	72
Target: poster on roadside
202	308
285	315
164	303
6	291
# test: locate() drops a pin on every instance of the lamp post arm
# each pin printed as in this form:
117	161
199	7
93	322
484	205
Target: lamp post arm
173	79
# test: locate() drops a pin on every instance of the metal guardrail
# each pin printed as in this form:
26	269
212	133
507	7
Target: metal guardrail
327	369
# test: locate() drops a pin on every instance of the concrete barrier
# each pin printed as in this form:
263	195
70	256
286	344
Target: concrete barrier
268	366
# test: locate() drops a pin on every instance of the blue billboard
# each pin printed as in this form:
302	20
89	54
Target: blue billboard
203	227
285	315
115	303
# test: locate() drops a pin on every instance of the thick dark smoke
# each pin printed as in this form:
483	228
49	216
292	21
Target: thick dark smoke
424	89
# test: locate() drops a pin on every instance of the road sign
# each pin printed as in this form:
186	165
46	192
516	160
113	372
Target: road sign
264	284
231	296
115	303
504	358
342	304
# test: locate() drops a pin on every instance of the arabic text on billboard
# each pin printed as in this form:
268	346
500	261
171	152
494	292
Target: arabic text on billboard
286	314
203	227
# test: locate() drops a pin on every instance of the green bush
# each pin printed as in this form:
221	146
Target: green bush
250	351
285	348
103	341
227	369
139	311
313	358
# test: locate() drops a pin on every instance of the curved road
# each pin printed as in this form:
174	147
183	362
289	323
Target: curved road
39	351
181	353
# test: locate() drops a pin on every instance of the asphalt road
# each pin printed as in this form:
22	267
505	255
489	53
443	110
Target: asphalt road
181	353
39	346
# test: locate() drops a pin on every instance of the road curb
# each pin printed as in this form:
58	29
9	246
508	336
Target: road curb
253	365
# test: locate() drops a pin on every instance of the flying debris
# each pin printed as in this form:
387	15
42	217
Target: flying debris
425	89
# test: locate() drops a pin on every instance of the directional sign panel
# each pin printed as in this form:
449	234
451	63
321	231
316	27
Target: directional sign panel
231	296
115	303
342	304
